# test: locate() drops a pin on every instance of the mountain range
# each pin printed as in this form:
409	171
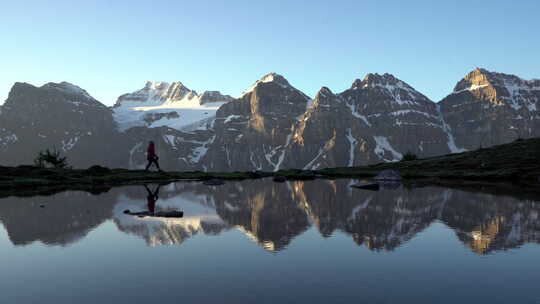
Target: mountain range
271	126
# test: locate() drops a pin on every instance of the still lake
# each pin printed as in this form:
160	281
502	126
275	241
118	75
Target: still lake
257	241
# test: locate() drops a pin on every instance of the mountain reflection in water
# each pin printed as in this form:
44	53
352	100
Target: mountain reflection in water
273	214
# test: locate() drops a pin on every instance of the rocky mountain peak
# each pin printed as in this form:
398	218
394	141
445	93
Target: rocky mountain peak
505	85
326	98
68	88
388	87
324	92
376	80
213	96
482	95
156	93
269	78
274	77
357	84
19	88
475	79
24	95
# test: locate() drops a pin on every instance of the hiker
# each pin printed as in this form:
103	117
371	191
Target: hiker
152	198
151	156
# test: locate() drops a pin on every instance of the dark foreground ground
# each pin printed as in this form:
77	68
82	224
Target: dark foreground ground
497	168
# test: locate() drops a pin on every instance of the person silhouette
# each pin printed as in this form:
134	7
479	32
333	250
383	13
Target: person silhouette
152	198
151	156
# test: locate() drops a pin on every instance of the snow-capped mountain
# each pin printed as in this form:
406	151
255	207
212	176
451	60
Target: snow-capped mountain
253	131
172	105
378	119
61	116
271	126
488	108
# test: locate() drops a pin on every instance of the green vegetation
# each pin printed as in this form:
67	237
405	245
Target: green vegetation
409	156
51	158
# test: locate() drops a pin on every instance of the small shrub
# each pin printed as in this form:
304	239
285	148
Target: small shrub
51	158
409	156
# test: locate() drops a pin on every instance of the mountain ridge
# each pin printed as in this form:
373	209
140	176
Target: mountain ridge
274	125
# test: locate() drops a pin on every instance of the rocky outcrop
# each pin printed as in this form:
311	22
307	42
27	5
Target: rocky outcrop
177	150
61	116
488	108
378	119
253	131
274	126
155	93
485	226
65	117
325	136
399	115
213	96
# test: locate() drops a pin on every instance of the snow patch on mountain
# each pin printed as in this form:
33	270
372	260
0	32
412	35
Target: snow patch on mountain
161	98
310	165
68	88
384	146
272	77
278	80
401	93
472	87
8	139
231	118
199	152
69	143
515	89
188	115
408	111
132	163
446	128
355	113
353	142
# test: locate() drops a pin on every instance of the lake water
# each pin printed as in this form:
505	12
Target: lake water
258	241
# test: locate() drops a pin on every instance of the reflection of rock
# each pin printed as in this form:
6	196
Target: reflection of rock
264	210
267	212
197	219
273	214
380	220
64	218
391	219
487	223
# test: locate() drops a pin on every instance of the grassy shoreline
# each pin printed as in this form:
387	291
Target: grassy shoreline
517	162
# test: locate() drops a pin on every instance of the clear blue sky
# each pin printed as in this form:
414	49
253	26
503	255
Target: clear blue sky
113	47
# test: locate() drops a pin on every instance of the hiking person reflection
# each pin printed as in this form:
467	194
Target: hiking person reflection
151	156
152	198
